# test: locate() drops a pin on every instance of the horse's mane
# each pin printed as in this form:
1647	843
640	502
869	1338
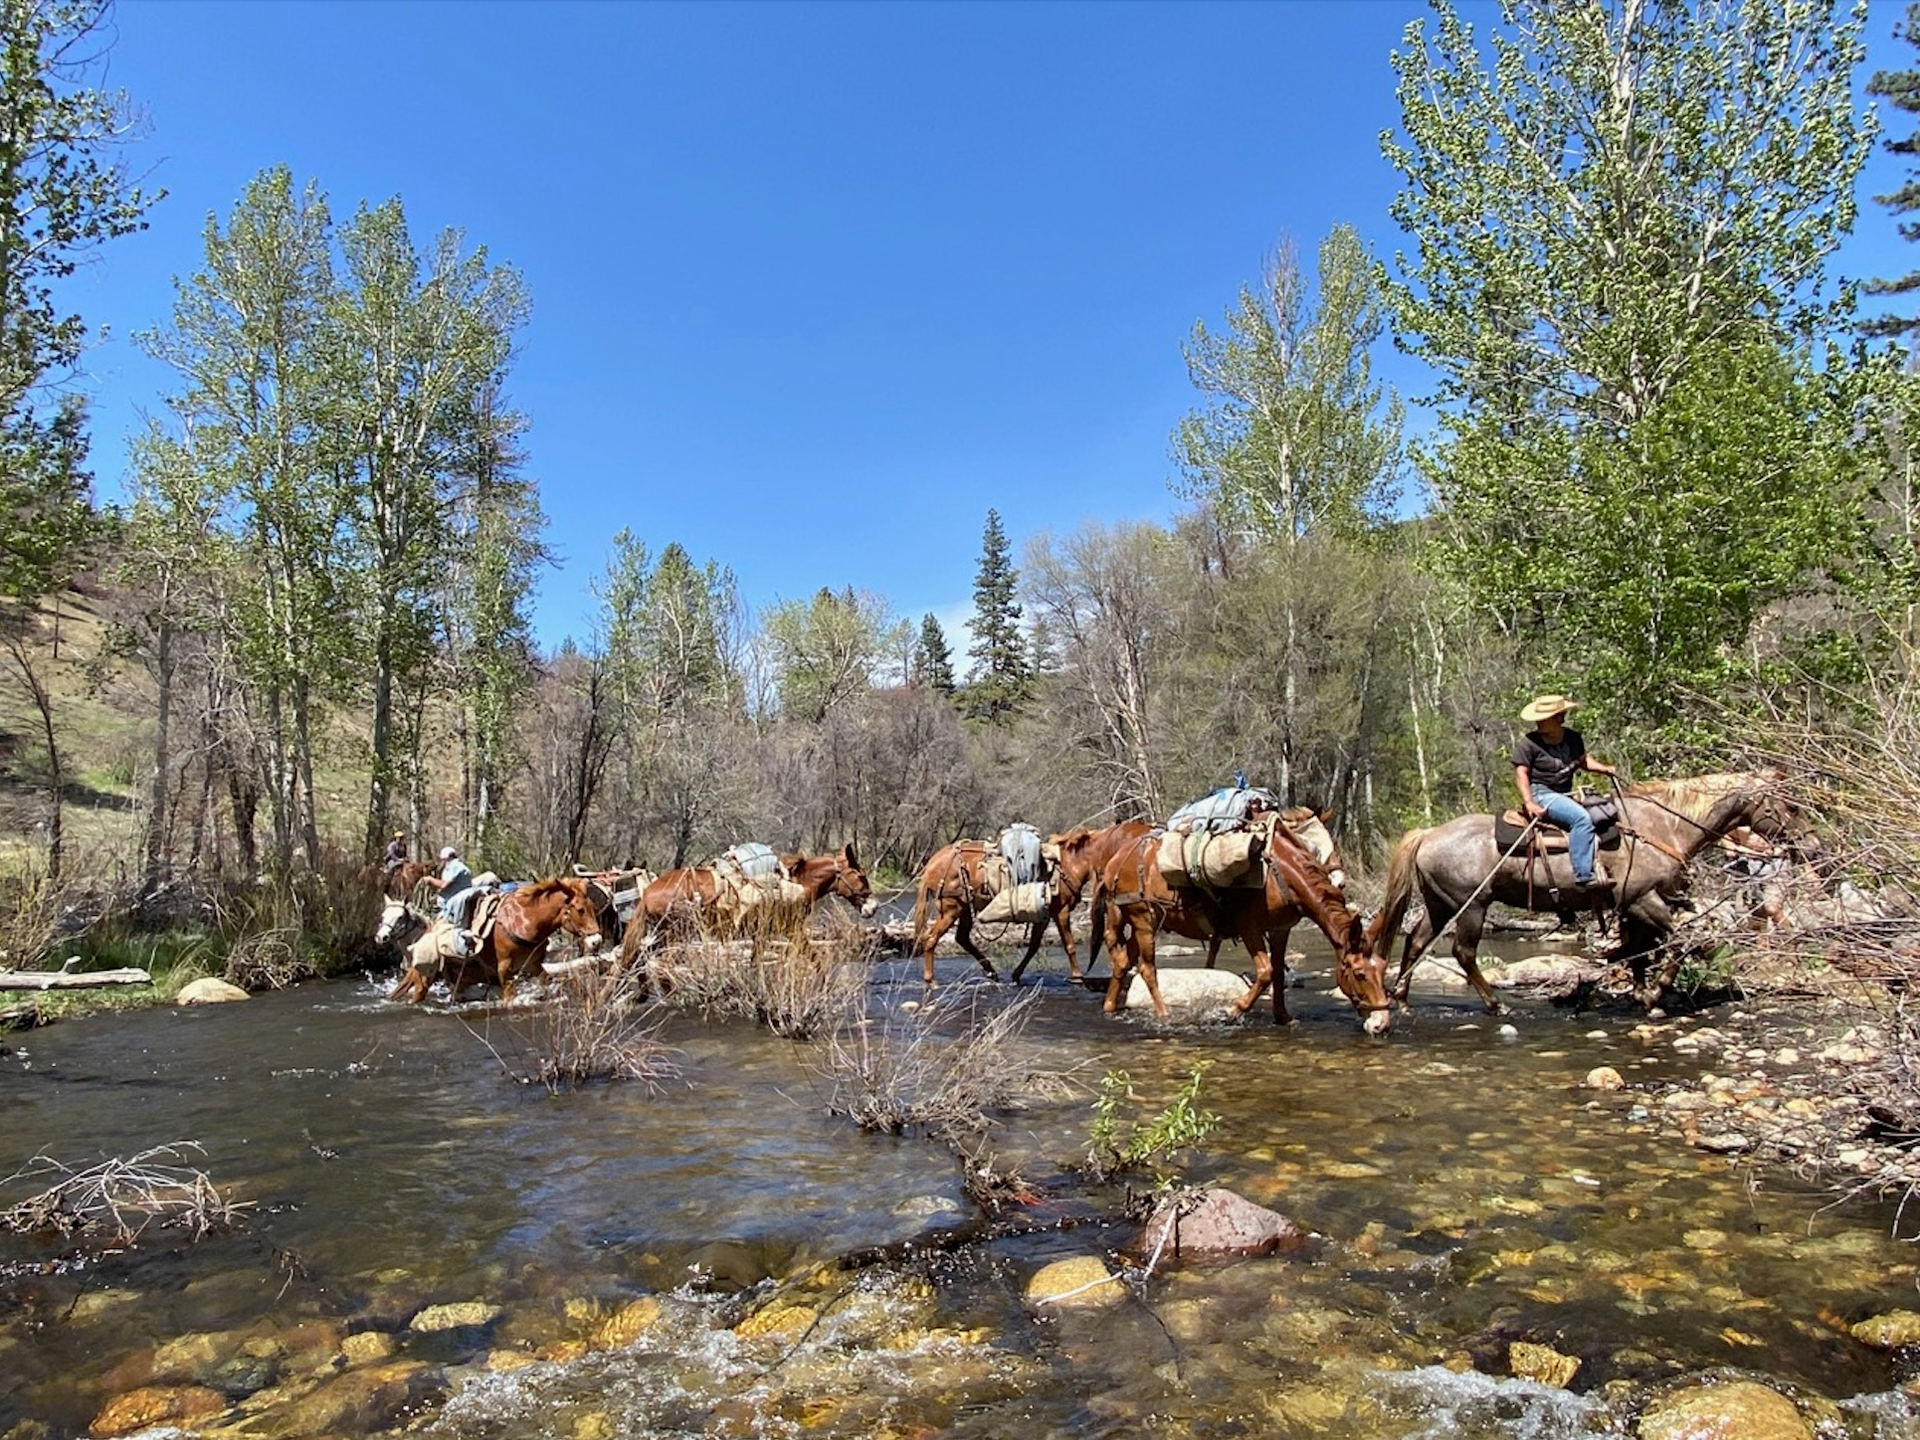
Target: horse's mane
1692	796
561	883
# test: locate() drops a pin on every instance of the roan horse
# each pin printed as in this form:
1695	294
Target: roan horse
686	902
1140	904
1456	870
517	942
955	881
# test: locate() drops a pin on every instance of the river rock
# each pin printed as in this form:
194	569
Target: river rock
209	991
356	1402
1222	1223
787	1322
1081	1282
153	1405
629	1322
1740	1410
1187	989
1531	1361
367	1347
1604	1077
1889	1331
437	1318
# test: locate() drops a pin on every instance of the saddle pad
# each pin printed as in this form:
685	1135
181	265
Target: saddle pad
1509	825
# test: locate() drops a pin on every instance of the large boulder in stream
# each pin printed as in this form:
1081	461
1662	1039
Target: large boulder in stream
1218	1222
1737	1410
1187	989
209	991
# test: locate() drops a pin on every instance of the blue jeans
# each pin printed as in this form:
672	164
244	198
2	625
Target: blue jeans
1570	815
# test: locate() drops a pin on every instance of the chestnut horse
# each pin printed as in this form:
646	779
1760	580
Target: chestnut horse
955	880
1084	853
686	902
1140	904
1081	854
1457	870
517	942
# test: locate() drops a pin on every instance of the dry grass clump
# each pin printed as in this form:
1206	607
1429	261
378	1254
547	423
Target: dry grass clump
942	1067
591	1031
781	974
116	1200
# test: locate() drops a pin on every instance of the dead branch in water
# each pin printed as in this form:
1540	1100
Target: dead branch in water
117	1199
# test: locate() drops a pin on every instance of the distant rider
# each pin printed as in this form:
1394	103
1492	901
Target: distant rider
396	853
1545	760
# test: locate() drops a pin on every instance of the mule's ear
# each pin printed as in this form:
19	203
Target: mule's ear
1326	816
853	861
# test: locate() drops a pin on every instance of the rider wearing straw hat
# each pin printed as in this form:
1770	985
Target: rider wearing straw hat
1545	760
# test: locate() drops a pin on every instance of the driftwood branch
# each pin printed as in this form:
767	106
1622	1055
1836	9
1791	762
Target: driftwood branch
62	980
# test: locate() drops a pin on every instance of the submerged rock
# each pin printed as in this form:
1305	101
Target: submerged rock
1531	1361
1740	1410
437	1318
1604	1077
1889	1331
1221	1223
153	1405
356	1402
1080	1282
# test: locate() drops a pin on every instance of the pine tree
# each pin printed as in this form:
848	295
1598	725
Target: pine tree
1001	679
1901	90
933	658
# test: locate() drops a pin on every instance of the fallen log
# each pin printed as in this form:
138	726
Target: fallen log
69	980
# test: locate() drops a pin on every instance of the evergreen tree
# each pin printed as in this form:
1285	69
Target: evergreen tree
1001	679
932	658
1900	89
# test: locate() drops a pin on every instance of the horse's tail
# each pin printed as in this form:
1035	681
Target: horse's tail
922	889
1393	906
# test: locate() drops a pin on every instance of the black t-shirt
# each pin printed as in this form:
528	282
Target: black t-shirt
1553	766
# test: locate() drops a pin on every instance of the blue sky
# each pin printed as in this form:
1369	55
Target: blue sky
814	285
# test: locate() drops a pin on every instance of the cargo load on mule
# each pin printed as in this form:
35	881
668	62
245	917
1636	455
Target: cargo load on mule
752	876
1014	876
1213	843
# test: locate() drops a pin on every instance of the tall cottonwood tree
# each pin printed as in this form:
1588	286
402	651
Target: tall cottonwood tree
1631	202
411	350
1295	440
253	408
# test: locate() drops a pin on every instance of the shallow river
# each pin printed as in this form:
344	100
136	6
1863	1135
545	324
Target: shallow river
1464	1192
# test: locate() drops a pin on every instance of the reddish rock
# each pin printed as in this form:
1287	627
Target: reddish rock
1221	1223
153	1405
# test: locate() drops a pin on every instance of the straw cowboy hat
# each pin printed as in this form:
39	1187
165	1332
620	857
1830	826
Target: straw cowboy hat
1543	706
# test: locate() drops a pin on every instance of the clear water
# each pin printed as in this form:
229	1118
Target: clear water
1463	1189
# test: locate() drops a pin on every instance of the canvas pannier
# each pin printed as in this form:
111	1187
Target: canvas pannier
1210	860
1016	904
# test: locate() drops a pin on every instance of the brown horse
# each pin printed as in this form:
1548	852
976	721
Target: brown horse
1084	853
395	884
1457	870
1140	904
1081	855
517	942
956	881
687	902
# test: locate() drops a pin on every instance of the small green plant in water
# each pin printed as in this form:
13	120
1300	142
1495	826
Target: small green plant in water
1114	1145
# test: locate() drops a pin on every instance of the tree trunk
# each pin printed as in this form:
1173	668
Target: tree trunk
156	828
